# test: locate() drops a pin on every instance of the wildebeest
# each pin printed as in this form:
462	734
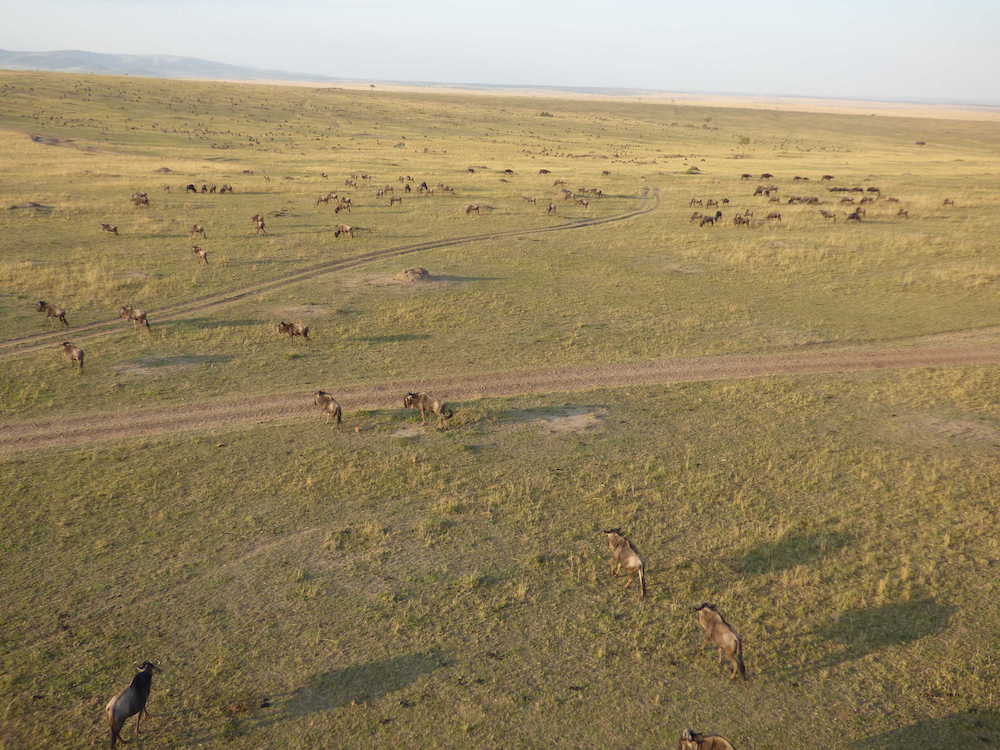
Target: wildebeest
828	215
130	701
696	216
140	199
903	213
326	198
191	188
856	215
847	199
739	219
773	216
260	226
138	317
294	329
583	202
529	199
112	228
508	171
544	171
827	177
73	353
948	202
692	740
329	405
197	229
201	253
52	311
710	220
696	202
625	555
551	209
425	404
746	176
472	208
344	229
767	176
720	634
394	200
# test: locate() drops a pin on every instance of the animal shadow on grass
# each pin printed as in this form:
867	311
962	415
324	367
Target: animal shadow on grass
460	279
200	324
864	631
395	338
789	551
964	729
358	683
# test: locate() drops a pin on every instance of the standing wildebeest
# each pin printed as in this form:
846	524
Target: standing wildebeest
394	200
131	701
583	202
51	311
191	188
529	199
720	634
773	216
692	740
326	198
625	555
767	176
903	213
544	171
425	404
948	202
344	229
138	317
260	225
697	216
710	220
746	176
827	177
696	202
201	253
140	199
740	219
551	209
294	329
197	229
856	215
329	405
73	353
112	228
828	215
472	208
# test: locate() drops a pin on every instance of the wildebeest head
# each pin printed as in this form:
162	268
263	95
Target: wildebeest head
615	530
148	666
41	305
410	399
705	605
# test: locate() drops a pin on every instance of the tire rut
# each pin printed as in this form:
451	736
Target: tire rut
961	349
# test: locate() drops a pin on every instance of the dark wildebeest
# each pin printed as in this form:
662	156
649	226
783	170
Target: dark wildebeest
138	317
948	202
746	176
903	213
472	208
711	220
73	353
767	176
191	188
294	329
827	177
51	311
393	200
773	216
112	228
131	701
583	202
856	215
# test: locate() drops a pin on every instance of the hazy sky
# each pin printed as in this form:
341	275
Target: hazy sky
926	49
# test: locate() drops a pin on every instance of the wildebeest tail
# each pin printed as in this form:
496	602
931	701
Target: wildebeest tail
642	581
739	658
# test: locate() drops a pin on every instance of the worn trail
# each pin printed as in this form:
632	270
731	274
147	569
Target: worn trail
961	349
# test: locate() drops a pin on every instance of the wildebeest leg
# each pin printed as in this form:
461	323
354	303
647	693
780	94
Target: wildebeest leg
721	655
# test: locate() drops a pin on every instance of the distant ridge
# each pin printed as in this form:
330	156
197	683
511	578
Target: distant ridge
154	66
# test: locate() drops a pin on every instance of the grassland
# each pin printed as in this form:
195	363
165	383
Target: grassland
400	587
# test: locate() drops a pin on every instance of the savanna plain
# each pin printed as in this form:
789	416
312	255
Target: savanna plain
392	584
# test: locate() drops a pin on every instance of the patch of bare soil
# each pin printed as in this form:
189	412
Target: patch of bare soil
558	419
413	275
408	433
936	430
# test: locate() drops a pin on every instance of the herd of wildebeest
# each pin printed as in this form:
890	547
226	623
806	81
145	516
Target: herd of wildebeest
624	554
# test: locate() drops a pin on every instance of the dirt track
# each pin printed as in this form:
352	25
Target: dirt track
960	349
45	340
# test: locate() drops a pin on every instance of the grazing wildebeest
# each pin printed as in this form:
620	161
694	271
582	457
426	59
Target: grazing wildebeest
138	317
551	209
112	228
948	202
746	176
866	200
131	701
201	253
739	219
874	190
260	226
140	199
720	634
326	198
711	220
711	202
696	216
903	213
557	183
423	187
696	202
73	353
191	188
605	172
197	229
892	200
625	555
425	404
767	176
329	405
204	188
294	329
344	229
544	171
827	177
856	215
51	311
394	200
529	199
692	740
773	216
508	171
828	215
847	199
583	202
472	208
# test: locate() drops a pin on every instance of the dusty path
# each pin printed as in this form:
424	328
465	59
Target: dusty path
45	340
945	350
